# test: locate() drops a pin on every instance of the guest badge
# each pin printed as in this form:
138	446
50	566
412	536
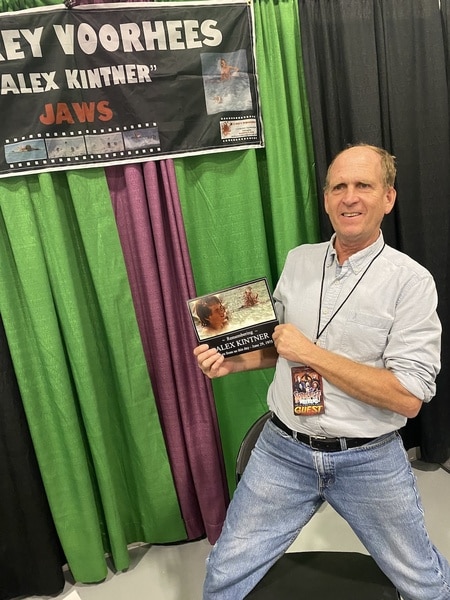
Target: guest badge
307	392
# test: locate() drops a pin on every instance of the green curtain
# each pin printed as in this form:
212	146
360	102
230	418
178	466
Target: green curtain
244	210
70	322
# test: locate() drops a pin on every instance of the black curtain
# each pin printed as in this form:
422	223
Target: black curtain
376	72
31	557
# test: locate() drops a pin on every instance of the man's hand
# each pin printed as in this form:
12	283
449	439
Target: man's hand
212	363
291	344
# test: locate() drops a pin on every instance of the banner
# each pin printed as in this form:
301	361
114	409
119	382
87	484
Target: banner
99	84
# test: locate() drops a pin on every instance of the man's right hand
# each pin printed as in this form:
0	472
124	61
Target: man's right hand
212	363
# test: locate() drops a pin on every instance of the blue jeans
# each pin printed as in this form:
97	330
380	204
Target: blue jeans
372	487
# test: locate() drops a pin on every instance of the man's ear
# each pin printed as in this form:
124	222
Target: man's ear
325	202
391	195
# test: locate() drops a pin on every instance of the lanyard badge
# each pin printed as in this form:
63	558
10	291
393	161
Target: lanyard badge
307	392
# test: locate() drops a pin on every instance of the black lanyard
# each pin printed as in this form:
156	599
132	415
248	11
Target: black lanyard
320	331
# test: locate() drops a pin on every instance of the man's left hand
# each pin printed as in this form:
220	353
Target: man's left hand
291	344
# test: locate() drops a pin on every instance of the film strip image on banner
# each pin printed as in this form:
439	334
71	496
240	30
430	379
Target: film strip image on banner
111	83
80	147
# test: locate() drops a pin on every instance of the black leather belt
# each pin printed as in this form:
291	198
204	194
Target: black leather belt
322	443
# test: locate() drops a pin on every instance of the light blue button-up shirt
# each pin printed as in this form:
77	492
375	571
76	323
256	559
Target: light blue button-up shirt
389	320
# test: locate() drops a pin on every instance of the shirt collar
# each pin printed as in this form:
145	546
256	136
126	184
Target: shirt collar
360	259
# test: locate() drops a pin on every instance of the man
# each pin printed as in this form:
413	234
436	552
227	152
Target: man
361	318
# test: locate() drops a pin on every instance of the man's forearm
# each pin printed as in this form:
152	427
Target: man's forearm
252	361
372	385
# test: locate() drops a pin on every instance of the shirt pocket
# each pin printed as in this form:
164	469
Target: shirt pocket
365	337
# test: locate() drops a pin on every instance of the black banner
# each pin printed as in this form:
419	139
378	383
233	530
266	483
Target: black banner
100	84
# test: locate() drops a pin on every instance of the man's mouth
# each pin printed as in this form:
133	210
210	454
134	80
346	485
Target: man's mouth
352	214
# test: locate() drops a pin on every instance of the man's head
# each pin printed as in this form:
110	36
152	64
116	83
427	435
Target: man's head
358	193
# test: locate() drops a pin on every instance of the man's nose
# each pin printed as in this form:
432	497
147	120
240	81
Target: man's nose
350	195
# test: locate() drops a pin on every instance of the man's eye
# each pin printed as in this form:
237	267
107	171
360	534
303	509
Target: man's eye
363	185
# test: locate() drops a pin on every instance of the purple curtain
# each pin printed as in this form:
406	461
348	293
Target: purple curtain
149	219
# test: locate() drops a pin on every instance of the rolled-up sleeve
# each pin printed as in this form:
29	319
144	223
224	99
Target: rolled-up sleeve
414	343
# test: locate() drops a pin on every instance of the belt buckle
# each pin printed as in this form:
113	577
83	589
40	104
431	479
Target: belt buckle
312	441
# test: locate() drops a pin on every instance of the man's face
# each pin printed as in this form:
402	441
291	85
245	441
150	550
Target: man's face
356	199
